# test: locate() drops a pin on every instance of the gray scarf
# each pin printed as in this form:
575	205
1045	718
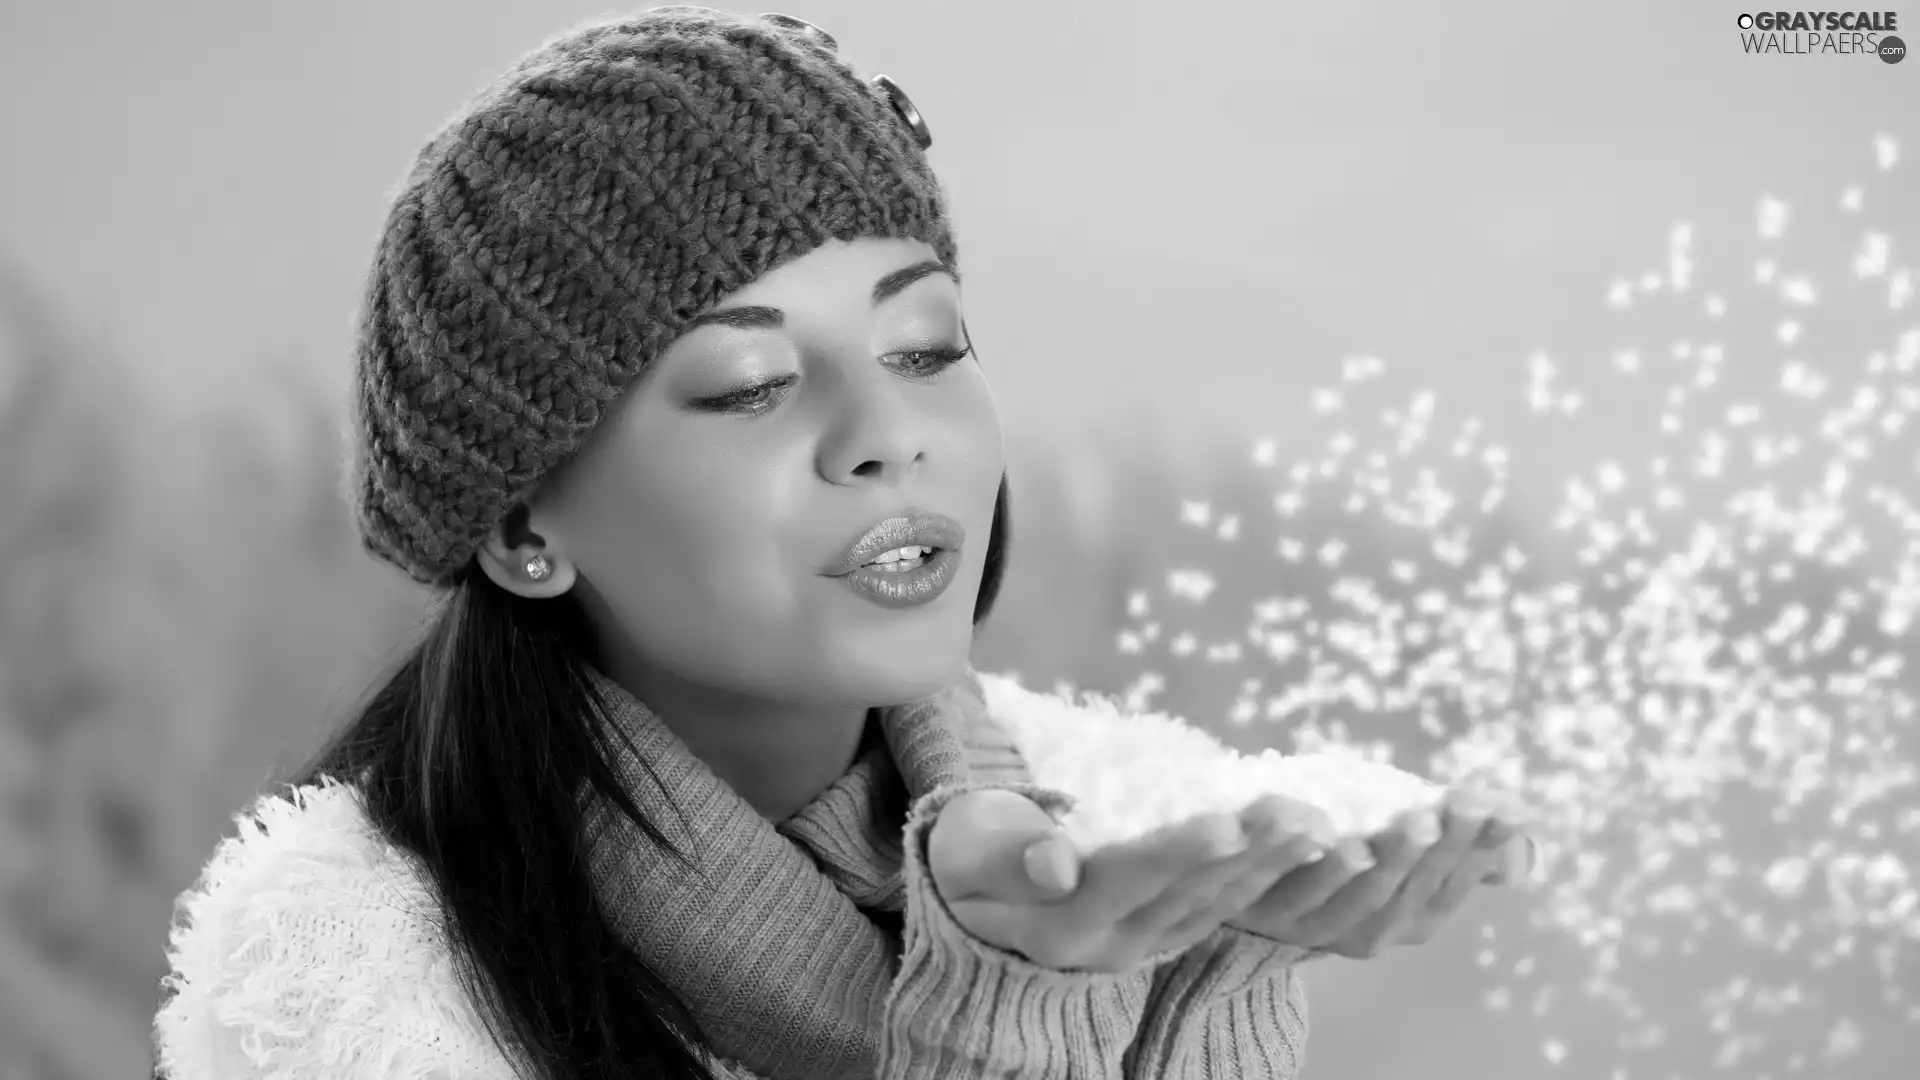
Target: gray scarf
786	946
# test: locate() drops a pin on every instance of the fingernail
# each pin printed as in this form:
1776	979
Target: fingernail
1262	830
1275	837
1052	866
1474	806
1424	829
1230	844
1516	862
1529	861
1356	854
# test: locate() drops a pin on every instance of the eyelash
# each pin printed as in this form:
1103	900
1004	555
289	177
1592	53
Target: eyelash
738	400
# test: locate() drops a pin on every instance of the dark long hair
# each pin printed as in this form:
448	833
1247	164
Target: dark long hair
471	755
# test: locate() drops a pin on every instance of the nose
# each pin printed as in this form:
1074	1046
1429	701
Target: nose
876	435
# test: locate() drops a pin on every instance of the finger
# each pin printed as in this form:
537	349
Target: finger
1454	891
1399	850
1286	834
1278	817
1309	886
1509	818
1127	876
1194	893
1286	856
1520	860
1279	838
1446	901
1460	861
1464	820
1271	865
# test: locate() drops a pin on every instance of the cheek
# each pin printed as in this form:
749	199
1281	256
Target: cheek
975	419
697	554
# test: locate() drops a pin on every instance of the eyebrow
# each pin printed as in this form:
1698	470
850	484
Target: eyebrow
761	317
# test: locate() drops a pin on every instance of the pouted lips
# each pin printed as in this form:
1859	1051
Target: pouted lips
903	562
943	534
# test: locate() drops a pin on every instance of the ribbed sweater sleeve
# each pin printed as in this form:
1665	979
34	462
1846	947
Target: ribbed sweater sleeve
1234	1007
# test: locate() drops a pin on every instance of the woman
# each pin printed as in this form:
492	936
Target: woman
663	381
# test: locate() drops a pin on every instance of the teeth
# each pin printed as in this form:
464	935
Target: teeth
902	554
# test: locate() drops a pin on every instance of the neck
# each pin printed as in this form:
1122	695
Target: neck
777	756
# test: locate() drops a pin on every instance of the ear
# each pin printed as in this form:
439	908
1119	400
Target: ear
507	563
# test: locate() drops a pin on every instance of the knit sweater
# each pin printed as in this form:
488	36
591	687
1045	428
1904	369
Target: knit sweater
310	947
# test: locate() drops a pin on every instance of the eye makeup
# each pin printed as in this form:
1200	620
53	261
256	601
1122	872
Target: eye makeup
757	395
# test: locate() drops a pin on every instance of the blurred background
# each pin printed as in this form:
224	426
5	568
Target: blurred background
1253	283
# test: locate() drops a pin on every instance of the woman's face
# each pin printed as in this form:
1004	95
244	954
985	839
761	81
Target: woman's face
710	520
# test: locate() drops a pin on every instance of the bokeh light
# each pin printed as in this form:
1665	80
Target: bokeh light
1699	673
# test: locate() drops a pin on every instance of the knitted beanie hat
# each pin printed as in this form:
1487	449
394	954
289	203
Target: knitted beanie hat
558	232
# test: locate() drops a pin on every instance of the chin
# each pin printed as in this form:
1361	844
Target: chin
911	659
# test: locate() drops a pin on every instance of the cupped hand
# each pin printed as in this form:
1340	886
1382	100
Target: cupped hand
1119	906
1398	886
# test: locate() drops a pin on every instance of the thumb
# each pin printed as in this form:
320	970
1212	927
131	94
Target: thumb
1050	867
998	845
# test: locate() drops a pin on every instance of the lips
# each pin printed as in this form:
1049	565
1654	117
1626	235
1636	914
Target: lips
902	530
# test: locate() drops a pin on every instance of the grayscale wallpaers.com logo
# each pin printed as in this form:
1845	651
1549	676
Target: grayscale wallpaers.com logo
1806	33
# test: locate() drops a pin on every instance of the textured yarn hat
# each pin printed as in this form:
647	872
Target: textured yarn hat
558	232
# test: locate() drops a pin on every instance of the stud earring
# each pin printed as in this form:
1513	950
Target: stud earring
538	568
